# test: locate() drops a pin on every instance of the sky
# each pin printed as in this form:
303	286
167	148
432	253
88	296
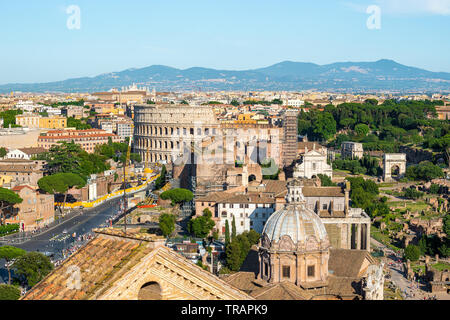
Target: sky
41	41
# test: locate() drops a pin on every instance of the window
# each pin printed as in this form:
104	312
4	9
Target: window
286	271
324	206
224	214
242	223
311	271
314	166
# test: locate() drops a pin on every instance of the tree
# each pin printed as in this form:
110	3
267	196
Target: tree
277	101
424	171
33	266
434	188
8	292
447	225
233	228
8	198
177	195
324	126
202	226
325	180
413	194
227	233
362	129
412	252
234	102
78	124
10	253
167	224
244	247
184	102
3	152
233	253
61	183
253	237
160	181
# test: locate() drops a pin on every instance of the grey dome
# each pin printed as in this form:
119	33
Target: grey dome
297	222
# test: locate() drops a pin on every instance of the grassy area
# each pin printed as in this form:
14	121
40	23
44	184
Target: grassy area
383	238
441	266
418	268
386	185
411	205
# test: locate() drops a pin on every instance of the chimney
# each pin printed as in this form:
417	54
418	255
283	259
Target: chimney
347	197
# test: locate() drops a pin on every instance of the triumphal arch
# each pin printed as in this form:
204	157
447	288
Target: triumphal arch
394	163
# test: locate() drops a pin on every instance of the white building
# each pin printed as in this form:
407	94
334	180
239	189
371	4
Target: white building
27	106
313	163
295	103
250	211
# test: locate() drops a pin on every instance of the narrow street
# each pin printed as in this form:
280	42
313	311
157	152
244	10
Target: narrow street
410	290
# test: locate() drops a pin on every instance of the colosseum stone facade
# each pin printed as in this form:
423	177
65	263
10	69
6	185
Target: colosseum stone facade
167	132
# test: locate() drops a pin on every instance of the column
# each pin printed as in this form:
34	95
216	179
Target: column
349	236
368	237
358	237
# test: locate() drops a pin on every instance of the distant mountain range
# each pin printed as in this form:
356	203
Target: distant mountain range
382	75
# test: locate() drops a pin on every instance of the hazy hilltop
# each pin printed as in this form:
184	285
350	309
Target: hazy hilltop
386	75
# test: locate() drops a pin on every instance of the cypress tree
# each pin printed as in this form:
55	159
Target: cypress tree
233	229
227	233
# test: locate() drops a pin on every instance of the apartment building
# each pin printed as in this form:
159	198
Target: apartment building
34	212
87	139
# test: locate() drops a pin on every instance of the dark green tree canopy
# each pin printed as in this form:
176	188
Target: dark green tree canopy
33	266
202	226
167	224
177	195
8	292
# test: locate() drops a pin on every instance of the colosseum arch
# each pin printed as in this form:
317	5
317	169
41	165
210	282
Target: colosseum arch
393	160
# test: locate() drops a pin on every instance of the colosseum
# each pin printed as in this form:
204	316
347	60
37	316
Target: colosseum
164	133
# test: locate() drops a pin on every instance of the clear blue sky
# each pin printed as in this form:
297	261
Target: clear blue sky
115	35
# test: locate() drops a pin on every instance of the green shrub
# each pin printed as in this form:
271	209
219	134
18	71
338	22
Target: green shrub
8	292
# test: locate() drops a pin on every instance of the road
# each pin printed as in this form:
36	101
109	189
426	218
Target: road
410	290
60	237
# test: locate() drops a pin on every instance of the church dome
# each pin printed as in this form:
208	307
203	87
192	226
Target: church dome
295	219
297	222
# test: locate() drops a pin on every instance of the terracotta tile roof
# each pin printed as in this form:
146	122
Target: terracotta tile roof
244	281
323	192
348	263
96	261
18	188
31	151
214	197
281	291
346	288
113	256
